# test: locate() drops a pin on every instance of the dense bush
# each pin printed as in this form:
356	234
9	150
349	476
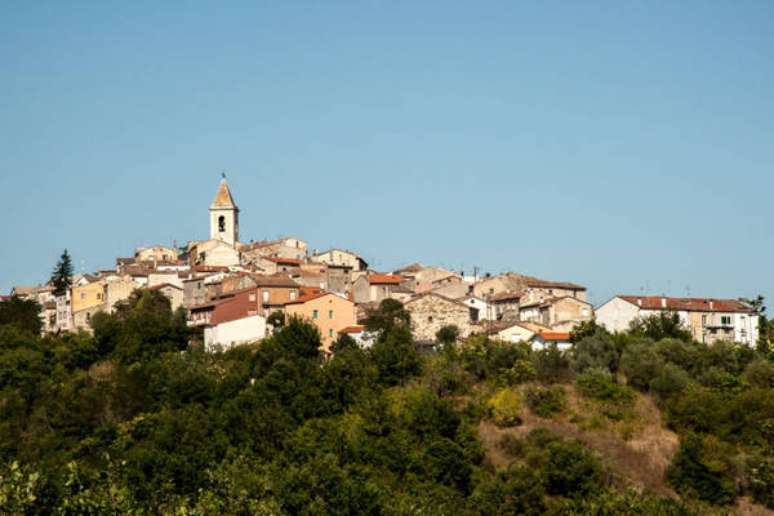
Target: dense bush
505	406
696	474
546	401
596	352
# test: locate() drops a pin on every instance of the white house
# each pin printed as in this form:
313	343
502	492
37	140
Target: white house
229	333
708	320
480	309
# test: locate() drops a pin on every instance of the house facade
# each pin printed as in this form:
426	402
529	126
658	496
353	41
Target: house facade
430	312
330	313
373	288
559	313
708	320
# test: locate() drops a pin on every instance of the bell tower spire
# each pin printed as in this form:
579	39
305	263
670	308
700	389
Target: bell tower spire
224	215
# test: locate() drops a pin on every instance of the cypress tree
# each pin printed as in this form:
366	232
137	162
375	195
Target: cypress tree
61	278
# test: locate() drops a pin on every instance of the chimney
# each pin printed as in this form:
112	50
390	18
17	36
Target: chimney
663	302
711	304
639	302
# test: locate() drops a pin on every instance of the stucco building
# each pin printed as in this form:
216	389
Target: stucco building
708	320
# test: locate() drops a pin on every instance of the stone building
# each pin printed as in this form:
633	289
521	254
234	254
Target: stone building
561	314
430	312
373	288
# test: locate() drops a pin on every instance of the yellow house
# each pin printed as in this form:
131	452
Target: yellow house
88	296
331	313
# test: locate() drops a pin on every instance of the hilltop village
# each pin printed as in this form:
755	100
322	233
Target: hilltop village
231	290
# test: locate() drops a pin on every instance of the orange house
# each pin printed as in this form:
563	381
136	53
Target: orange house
331	313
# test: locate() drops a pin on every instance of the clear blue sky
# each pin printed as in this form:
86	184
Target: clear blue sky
622	145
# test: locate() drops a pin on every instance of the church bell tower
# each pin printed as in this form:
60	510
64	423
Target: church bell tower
224	216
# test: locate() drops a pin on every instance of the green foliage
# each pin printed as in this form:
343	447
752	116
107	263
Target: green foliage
447	335
25	314
670	381
389	315
663	325
546	401
61	277
572	470
133	421
696	473
759	373
598	384
641	364
552	365
521	371
760	477
276	319
586	329
596	351
613	503
505	406
395	356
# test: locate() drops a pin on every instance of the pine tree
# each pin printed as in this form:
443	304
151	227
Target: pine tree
61	278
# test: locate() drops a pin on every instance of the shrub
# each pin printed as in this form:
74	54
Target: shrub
670	381
522	371
505	406
598	384
679	352
551	365
694	476
447	335
512	445
760	479
597	351
572	470
546	402
641	363
759	373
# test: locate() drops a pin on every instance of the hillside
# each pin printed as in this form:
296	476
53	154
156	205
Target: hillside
132	420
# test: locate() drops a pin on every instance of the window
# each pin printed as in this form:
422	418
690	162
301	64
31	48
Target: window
221	223
252	298
330	332
725	320
266	296
429	318
330	314
315	314
83	295
293	295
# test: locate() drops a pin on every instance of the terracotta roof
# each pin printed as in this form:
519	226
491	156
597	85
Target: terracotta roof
385	279
352	329
223	198
555	336
688	304
308	294
4	298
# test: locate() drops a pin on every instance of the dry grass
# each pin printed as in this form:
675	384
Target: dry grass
636	452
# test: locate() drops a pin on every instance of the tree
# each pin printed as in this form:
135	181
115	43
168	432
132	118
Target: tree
663	325
447	335
389	315
585	329
21	312
598	350
61	278
766	326
276	319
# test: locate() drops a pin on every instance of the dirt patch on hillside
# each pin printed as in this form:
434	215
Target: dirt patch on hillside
640	461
